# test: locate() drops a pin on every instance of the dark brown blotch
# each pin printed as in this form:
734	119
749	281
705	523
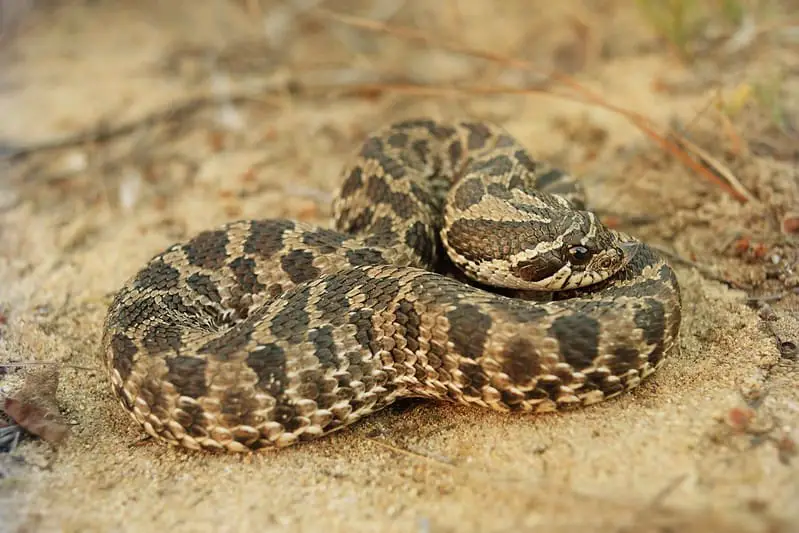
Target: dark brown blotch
597	380
266	237
418	237
162	338
480	240
379	291
549	388
440	131
414	123
524	158
624	358
335	306
192	417
499	190
137	312
239	406
286	414
365	256
421	149
407	316
475	378
161	402
187	375
244	271
549	181
426	197
275	290
479	135
435	129
521	362
403	205
290	323
468	330
398	139
362	220
298	264
498	165
157	275
123	349
373	149
324	345
208	249
362	320
268	361
512	398
455	153
517	182
353	183
578	338
176	306
348	223
231	342
505	141
324	240
650	316
381	234
204	286
468	193
378	191
526	207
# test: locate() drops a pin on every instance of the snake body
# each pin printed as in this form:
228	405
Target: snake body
459	269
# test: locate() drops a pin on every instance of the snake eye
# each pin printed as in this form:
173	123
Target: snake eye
579	254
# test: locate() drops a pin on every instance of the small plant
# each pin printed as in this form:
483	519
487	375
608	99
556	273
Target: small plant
768	94
677	21
733	11
683	23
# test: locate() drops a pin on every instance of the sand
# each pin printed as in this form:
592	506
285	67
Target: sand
76	221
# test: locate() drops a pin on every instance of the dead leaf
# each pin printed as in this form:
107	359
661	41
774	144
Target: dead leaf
34	406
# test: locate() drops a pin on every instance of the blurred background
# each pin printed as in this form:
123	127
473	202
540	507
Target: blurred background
126	126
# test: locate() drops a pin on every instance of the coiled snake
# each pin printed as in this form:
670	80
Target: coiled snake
263	333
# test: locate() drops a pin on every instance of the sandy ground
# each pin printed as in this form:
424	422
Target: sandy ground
76	221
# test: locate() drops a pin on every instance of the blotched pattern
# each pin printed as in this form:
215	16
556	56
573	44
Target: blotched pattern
263	333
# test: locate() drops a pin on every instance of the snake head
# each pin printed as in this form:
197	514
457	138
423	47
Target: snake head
583	252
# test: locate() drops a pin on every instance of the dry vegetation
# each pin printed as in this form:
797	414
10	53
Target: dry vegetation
129	125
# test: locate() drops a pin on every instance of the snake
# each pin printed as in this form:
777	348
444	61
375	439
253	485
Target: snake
457	268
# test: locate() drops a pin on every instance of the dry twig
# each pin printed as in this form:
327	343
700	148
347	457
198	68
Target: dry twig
100	134
640	121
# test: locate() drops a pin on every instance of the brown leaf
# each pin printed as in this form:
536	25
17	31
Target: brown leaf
34	406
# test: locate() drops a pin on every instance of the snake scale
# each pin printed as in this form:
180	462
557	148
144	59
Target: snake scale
459	269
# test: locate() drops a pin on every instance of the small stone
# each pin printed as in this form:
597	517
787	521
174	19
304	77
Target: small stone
788	349
766	312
